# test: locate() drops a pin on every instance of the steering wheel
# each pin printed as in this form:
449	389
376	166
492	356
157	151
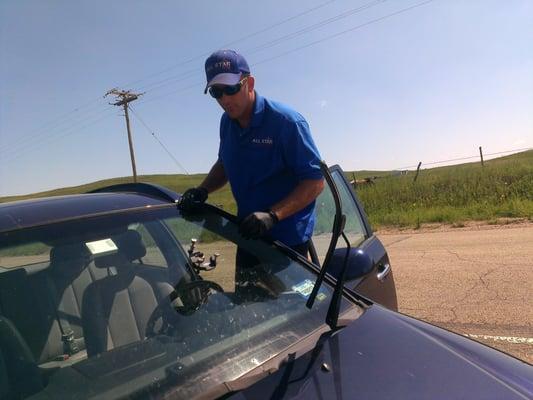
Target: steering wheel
192	296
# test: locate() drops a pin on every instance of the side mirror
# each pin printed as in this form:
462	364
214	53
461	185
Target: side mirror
359	263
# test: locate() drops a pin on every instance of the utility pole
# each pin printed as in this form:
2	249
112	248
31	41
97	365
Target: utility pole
125	96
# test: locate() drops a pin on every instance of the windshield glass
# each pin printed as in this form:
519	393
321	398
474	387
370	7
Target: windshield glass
146	302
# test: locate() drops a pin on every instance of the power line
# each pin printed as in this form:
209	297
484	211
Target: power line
329	37
376	20
44	129
16	154
45	136
66	114
184	75
174	78
315	26
173	92
306	45
159	141
248	36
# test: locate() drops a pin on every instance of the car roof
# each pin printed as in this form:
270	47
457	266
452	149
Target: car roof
25	213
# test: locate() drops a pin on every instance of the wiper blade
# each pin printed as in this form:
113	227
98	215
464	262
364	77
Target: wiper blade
335	305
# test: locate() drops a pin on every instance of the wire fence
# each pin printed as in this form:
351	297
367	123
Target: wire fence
448	162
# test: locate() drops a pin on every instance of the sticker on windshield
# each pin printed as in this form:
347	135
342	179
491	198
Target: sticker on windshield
305	288
101	247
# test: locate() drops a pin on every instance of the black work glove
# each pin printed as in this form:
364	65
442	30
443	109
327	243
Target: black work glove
257	224
192	199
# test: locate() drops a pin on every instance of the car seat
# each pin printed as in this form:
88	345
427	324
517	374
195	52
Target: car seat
116	309
19	375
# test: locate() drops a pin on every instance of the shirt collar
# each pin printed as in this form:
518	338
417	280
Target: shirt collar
257	116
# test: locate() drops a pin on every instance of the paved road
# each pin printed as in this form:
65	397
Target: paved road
476	281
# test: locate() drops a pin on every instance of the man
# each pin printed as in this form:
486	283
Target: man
266	153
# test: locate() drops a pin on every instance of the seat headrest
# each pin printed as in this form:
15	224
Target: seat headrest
131	245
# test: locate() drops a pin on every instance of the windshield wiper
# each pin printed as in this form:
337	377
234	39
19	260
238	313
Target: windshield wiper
339	222
332	316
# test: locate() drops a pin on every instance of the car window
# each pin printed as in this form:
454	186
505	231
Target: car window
208	249
354	227
105	313
154	257
26	254
325	211
322	232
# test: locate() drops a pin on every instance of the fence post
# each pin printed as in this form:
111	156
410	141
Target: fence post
481	155
417	171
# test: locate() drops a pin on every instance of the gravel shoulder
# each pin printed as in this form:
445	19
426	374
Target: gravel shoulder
475	280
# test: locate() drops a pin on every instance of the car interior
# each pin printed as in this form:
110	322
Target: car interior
78	312
77	305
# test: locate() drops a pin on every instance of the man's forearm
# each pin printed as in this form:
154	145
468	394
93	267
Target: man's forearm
216	178
301	196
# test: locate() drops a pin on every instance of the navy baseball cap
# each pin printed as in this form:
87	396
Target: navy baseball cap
224	67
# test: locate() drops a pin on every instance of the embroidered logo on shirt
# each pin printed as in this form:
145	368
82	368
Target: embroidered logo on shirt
265	141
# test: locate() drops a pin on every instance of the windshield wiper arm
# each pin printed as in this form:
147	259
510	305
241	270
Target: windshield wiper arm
335	305
338	226
339	222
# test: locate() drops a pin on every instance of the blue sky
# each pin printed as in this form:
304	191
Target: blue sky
431	83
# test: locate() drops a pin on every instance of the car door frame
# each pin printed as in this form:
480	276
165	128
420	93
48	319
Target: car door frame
378	283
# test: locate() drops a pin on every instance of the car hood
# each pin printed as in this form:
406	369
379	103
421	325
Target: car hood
386	355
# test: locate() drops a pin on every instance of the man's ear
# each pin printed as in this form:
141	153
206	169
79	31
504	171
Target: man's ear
251	83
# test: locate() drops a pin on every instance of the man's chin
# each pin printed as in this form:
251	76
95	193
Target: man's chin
232	114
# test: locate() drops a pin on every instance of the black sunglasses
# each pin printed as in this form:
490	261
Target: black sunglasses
228	90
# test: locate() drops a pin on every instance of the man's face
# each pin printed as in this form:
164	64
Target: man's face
239	104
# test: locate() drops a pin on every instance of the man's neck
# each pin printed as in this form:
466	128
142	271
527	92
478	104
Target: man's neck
246	118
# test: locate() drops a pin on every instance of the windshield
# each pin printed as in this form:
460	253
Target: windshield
146	302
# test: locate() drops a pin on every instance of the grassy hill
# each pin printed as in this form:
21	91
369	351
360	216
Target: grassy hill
177	183
453	194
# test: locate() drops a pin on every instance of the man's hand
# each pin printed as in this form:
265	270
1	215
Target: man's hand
257	224
192	199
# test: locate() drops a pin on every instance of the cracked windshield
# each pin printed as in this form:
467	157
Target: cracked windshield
198	298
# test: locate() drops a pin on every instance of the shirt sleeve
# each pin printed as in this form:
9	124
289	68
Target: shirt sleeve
300	152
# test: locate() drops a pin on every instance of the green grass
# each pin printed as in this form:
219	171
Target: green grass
502	189
453	195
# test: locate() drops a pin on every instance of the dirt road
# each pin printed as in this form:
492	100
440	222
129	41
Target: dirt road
475	281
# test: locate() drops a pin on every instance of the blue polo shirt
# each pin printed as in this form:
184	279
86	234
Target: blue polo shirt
265	162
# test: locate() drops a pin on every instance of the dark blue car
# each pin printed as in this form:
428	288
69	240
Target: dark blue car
117	294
